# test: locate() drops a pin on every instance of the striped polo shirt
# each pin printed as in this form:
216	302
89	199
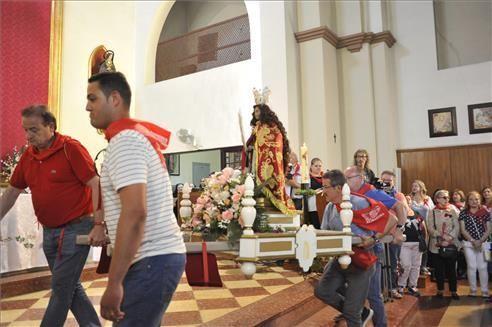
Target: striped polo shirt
131	159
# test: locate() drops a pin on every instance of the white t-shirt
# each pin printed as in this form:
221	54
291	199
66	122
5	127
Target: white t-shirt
131	159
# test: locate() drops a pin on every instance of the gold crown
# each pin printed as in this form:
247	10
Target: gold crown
263	96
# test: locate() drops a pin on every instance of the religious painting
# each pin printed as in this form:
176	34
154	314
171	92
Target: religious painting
480	118
442	122
172	163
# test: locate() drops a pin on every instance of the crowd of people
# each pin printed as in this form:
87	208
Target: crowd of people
446	235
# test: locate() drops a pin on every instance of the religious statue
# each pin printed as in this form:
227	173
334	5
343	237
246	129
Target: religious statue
266	153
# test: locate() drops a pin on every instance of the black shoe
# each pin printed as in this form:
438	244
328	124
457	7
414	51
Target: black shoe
366	316
413	291
338	318
455	296
440	294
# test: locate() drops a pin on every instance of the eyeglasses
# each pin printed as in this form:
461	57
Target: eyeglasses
326	187
350	177
444	197
362	156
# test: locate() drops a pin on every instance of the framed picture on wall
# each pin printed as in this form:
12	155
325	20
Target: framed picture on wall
442	122
480	118
172	163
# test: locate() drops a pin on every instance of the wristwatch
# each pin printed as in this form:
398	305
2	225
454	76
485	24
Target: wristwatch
376	240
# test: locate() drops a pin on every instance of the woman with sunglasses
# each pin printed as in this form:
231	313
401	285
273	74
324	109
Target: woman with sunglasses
444	229
475	228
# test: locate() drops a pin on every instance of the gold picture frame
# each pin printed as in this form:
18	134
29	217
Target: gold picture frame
54	84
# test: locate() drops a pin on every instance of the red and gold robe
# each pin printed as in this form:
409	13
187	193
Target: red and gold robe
267	141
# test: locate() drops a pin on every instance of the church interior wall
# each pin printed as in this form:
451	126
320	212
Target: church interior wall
421	86
207	102
87	25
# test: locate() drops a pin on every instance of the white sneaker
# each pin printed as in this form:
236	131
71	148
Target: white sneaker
366	316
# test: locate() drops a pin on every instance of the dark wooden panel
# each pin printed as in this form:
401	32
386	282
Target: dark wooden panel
465	167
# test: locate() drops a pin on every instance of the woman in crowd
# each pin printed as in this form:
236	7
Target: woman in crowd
411	252
487	197
315	174
458	199
361	160
444	229
421	203
475	228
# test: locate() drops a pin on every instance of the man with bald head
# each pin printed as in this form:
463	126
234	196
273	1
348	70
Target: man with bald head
356	181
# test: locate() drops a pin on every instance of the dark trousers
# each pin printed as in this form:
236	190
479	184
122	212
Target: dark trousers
444	268
313	219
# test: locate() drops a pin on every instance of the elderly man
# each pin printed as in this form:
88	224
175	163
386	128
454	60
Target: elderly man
346	289
356	181
64	186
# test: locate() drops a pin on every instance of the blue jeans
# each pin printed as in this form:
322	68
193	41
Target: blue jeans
148	288
395	250
66	264
374	295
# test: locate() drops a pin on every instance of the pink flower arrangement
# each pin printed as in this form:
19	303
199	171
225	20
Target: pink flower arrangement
219	205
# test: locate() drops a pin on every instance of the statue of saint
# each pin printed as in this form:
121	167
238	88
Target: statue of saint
267	154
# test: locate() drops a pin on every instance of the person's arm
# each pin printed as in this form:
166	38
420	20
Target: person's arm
464	232
129	235
8	199
97	236
400	212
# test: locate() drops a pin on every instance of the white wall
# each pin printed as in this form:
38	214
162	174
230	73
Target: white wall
420	86
86	25
186	162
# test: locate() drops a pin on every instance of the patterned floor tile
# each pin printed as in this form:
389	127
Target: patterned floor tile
11	315
267	275
41	303
35	295
241	284
181	318
245	300
180	306
178	296
17	304
277	288
208	315
273	282
208	304
249	291
32	314
212	294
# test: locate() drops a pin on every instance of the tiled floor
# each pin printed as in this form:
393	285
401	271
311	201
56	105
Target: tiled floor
190	305
468	311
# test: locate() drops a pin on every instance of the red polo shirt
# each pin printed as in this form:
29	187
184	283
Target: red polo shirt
57	177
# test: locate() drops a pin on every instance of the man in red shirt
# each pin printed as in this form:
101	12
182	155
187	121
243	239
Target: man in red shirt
60	174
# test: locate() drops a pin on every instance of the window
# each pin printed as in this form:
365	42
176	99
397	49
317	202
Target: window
231	157
463	32
200	35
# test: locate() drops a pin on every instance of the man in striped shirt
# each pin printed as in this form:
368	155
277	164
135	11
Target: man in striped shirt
148	251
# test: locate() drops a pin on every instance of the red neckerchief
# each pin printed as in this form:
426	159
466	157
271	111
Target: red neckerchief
297	170
440	207
366	187
480	212
57	145
318	179
157	136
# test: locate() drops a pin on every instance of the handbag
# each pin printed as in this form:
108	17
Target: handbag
201	268
448	252
104	261
362	258
422	244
